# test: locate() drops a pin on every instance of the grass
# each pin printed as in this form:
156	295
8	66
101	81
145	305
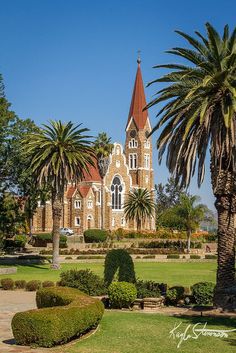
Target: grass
172	273
122	332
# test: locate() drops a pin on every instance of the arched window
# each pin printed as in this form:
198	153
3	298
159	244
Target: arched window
116	191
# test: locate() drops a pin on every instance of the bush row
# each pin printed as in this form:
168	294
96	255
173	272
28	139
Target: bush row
169	244
10	284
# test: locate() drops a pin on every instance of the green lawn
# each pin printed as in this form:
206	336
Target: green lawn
135	332
172	273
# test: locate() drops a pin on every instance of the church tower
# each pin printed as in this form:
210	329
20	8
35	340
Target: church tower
138	146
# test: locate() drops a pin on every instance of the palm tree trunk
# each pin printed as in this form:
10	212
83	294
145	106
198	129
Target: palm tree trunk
56	217
188	240
102	204
226	253
138	224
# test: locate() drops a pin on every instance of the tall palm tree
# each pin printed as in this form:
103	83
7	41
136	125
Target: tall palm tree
191	214
199	112
139	206
60	153
103	148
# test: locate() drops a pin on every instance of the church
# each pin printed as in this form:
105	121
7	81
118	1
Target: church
130	167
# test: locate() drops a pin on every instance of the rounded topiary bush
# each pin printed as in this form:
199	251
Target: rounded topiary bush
122	294
33	285
20	284
63	314
46	284
119	261
203	292
7	284
84	280
95	235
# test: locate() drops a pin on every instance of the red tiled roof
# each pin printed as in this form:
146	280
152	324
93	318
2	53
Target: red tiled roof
84	189
93	174
70	192
138	102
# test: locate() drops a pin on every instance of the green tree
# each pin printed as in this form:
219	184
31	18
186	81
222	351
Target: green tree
12	219
60	153
190	213
198	112
167	196
139	206
103	148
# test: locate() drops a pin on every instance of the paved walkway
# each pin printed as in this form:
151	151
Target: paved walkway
10	303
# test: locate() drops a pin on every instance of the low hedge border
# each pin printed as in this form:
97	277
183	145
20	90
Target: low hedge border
63	314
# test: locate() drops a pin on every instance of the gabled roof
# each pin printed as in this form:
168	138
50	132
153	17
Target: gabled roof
70	192
93	174
138	102
84	189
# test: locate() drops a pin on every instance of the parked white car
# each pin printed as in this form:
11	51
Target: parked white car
66	231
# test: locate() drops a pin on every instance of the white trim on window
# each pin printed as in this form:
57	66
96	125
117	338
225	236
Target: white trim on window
77	204
77	221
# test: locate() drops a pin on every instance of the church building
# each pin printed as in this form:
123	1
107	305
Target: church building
130	167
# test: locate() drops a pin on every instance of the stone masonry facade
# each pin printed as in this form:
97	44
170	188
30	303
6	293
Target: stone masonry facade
129	168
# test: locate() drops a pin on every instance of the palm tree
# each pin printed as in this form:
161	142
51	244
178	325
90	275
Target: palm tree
139	206
103	148
60	153
191	214
199	112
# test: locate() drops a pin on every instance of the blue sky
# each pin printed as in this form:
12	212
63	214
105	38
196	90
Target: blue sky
76	60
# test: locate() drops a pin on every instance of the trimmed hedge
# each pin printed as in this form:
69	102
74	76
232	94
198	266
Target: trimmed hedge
121	261
169	244
95	235
63	314
122	294
173	256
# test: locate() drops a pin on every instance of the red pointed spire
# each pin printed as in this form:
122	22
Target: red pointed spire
138	101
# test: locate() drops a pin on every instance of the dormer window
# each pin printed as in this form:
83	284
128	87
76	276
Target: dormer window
133	143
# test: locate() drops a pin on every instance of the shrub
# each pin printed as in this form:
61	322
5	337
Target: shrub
171	296
179	245
119	260
20	241
33	285
210	257
149	257
68	258
174	294
84	280
95	236
173	256
20	284
148	289
46	284
203	292
121	294
89	257
42	239
196	257
73	314
7	284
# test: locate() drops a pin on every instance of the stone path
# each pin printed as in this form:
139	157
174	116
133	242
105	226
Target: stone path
10	303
